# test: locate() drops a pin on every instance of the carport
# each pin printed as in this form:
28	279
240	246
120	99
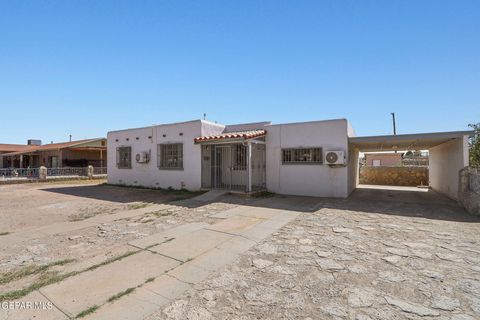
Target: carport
448	153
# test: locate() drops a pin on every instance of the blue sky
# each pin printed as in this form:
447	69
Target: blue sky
87	67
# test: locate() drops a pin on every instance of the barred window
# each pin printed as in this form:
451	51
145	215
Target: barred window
170	156
302	156
124	157
239	157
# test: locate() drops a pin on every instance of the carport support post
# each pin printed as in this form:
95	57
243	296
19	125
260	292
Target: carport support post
249	166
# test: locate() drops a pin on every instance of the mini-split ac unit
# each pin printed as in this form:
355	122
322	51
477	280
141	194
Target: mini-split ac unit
335	157
142	157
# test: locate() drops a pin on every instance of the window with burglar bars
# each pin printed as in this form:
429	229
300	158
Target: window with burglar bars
170	156
124	157
240	157
302	156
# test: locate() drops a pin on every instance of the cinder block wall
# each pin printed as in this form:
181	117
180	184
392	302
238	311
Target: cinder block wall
394	176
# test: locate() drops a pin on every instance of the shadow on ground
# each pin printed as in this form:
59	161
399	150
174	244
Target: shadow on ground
122	194
407	203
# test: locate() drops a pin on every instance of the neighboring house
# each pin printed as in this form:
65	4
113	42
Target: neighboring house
78	153
9	148
383	159
318	158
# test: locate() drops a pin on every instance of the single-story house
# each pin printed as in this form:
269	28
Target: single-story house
79	153
317	158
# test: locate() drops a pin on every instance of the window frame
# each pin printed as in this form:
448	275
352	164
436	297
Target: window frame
120	164
292	154
160	155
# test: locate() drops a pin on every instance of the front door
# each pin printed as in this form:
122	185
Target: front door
222	167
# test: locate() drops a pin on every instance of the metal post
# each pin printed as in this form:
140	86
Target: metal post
394	124
249	166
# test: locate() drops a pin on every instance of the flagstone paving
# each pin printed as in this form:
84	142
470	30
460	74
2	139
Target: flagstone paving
377	255
367	258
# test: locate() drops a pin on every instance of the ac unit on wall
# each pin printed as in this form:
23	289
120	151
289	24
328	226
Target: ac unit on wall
335	157
142	157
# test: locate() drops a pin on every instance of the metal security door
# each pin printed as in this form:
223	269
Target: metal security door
223	167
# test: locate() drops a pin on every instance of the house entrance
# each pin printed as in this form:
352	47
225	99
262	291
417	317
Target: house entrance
226	166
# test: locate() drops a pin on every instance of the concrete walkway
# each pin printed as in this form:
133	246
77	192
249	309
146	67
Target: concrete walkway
164	266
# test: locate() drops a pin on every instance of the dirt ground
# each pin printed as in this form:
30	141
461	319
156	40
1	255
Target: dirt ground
45	223
33	205
381	254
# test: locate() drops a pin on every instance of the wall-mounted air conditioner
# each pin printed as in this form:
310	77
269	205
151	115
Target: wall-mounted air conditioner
335	157
142	157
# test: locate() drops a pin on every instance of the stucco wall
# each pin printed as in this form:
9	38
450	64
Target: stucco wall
386	159
446	161
306	179
394	176
148	174
353	157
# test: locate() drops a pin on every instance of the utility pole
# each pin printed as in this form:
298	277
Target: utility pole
394	125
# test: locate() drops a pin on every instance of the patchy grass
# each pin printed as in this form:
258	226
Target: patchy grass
48	278
160	213
120	294
262	194
45	279
88	311
138	205
29	270
4	233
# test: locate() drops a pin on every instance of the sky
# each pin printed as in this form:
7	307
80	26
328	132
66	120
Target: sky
88	67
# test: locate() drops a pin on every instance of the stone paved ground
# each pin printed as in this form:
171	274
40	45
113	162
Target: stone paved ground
379	255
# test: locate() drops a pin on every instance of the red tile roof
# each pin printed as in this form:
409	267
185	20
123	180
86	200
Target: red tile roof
5	147
233	135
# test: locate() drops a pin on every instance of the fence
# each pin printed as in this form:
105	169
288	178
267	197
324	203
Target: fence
66	172
33	173
19	173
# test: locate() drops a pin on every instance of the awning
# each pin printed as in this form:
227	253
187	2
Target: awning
232	136
416	141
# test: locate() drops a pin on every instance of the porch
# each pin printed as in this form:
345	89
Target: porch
234	161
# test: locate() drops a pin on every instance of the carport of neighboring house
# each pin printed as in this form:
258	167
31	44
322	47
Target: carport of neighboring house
448	154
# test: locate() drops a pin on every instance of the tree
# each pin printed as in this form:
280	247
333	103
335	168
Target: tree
474	144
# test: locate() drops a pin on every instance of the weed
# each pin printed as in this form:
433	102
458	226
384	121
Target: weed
87	312
262	194
53	277
160	213
29	270
138	205
150	280
121	294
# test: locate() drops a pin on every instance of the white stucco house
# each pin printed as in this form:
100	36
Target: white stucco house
317	158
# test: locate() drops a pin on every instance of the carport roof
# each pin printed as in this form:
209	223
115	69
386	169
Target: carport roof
416	141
